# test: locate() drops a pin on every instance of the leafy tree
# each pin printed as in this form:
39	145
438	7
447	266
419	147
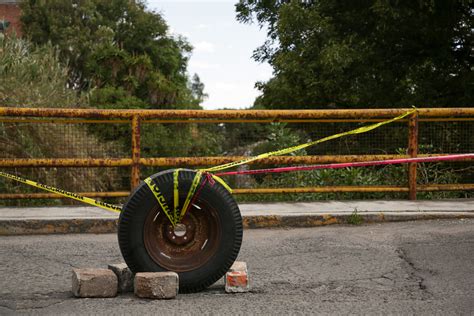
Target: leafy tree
197	89
371	53
123	56
116	47
32	77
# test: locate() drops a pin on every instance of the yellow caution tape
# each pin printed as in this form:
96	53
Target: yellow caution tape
192	190
74	196
288	150
176	193
160	198
225	185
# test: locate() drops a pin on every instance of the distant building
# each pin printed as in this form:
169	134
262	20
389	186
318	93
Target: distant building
10	17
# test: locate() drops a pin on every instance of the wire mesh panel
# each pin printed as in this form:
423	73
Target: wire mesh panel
85	139
79	180
446	137
451	137
53	140
247	139
181	140
38	140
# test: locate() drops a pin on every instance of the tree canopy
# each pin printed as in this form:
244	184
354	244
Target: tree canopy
371	53
118	48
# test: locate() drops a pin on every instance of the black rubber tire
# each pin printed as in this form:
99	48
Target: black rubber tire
142	201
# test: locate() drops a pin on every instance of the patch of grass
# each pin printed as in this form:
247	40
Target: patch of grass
355	218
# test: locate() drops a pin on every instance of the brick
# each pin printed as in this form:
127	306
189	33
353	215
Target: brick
94	283
236	279
236	282
156	285
124	276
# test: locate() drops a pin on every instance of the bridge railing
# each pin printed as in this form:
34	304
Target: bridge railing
430	131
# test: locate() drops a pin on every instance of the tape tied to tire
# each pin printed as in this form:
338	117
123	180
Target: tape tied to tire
199	180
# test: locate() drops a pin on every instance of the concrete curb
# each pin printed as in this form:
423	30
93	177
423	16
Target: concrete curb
288	221
58	226
109	225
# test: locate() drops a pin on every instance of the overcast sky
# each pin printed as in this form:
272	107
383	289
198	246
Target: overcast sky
222	49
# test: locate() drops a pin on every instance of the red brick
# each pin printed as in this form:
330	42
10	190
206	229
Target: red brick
236	282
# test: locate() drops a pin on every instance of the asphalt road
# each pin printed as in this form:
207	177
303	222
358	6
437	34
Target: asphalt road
423	267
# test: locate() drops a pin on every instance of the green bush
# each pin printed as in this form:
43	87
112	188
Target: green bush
34	77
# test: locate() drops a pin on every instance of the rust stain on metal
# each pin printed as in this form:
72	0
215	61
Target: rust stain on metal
321	189
188	161
65	162
412	152
62	121
135	173
234	114
446	187
333	189
215	121
208	161
15	196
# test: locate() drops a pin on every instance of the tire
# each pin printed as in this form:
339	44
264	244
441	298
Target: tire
209	246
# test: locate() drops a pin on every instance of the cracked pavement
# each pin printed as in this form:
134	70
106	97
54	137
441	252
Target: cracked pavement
422	267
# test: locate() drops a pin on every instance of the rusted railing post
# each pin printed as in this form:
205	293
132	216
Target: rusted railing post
412	152
135	175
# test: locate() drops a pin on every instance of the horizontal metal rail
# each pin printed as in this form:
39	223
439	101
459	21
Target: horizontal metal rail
233	114
215	121
326	189
336	189
188	161
16	196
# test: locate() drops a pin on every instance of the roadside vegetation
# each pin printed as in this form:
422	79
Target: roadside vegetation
33	76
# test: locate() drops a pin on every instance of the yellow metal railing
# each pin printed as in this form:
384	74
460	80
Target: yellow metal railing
139	117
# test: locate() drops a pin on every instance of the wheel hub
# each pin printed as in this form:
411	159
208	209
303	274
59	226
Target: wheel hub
187	246
183	233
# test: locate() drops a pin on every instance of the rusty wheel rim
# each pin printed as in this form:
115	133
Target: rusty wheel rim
188	246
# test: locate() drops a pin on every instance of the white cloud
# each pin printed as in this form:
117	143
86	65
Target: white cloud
204	47
227	86
230	94
263	72
202	65
203	26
